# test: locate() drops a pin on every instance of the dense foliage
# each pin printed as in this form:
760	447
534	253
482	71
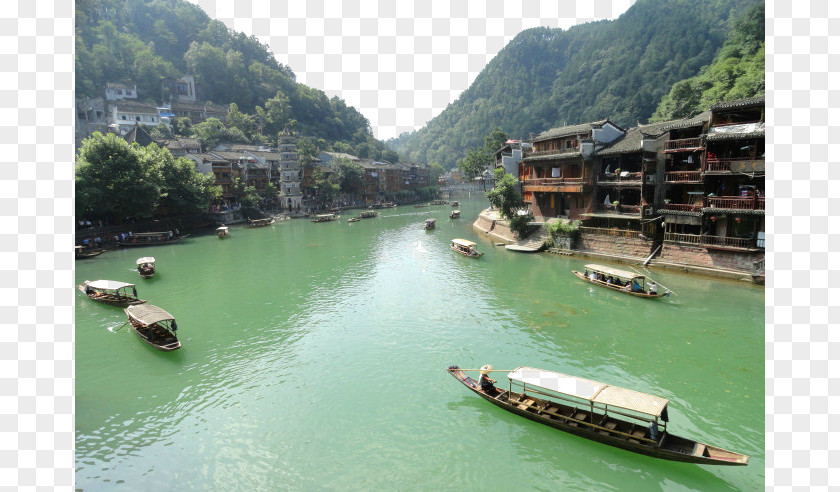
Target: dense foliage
142	41
549	77
506	198
115	180
737	72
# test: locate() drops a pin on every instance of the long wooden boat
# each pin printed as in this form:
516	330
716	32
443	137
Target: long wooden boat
146	266
83	253
325	218
632	283
151	239
464	247
354	219
368	214
455	214
154	326
261	222
440	202
111	292
601	412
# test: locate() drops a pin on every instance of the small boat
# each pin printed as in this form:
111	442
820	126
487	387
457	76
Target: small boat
429	225
82	252
353	219
455	214
601	412
620	281
466	248
421	205
146	266
455	203
222	231
260	222
325	218
151	238
440	202
388	204
111	292
368	214
154	326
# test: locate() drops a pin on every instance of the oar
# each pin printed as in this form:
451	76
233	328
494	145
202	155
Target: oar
490	370
118	328
648	276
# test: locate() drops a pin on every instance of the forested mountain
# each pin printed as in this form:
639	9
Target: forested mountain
546	77
142	41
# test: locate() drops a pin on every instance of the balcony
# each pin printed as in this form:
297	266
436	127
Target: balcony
683	207
555	185
683	177
598	231
629	210
624	178
713	241
738	165
540	153
734	202
683	145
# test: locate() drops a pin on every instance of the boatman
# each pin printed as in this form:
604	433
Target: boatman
652	290
485	381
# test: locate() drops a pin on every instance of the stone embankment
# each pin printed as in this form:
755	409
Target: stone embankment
631	250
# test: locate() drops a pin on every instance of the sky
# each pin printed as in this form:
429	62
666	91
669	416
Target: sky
400	63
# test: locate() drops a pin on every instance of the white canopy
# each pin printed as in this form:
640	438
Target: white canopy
592	391
148	314
463	242
109	284
145	259
615	272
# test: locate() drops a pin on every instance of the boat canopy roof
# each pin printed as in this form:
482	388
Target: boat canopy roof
222	228
592	391
109	284
615	272
151	234
430	220
325	215
148	314
145	259
464	242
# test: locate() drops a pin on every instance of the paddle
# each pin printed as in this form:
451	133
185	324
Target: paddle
118	328
648	276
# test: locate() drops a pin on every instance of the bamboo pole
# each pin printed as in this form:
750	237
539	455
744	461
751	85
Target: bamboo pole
490	370
651	278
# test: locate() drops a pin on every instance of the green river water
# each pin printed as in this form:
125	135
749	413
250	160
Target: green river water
314	358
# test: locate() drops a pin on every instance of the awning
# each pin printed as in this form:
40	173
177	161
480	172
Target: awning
145	259
109	284
615	272
589	390
148	314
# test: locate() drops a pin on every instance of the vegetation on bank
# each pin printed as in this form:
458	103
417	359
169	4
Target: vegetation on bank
506	198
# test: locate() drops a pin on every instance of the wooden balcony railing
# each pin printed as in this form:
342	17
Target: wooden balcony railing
553	181
683	177
706	240
622	209
715	165
683	144
618	178
538	153
609	232
735	202
683	207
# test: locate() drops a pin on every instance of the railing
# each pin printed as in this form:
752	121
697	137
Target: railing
609	232
716	165
683	207
551	181
538	153
735	202
683	144
706	240
621	209
683	177
617	178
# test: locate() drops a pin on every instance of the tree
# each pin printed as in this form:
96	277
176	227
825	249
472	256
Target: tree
507	199
326	187
475	162
113	181
306	151
494	140
350	175
436	171
182	189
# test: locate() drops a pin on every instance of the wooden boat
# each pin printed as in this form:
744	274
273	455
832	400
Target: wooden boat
146	266
455	214
466	248
222	231
601	412
325	218
622	281
154	326
151	239
368	214
421	205
111	292
260	222
353	219
83	253
455	203
440	202
429	225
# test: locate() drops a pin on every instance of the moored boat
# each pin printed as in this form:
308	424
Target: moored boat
146	266
154	326
466	248
429	224
151	238
261	222
421	205
325	218
353	219
608	414
455	203
82	252
368	214
111	292
440	202
455	214
623	281
222	231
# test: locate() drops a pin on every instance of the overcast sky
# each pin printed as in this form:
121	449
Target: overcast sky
400	63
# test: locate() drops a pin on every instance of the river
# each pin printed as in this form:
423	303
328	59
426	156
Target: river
314	358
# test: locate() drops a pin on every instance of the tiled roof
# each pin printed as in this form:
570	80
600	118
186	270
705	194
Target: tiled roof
134	106
663	126
565	131
630	142
740	103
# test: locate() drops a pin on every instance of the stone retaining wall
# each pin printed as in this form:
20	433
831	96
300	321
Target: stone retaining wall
708	258
496	228
615	246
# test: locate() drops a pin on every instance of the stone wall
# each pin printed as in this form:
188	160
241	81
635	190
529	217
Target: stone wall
615	246
708	258
494	227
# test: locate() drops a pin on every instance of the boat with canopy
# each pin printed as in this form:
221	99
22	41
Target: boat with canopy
261	222
626	282
222	231
609	414
146	266
111	292
429	224
154	326
325	218
151	238
466	248
455	214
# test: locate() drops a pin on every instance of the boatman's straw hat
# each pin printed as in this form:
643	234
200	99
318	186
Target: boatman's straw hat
486	369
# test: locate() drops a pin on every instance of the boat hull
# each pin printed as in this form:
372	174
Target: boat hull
477	255
667	447
615	288
155	336
159	242
110	299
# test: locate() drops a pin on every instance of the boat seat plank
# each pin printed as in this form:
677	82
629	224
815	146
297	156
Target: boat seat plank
525	404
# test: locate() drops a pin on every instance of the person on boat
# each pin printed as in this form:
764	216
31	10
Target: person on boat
634	287
486	382
652	289
593	276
